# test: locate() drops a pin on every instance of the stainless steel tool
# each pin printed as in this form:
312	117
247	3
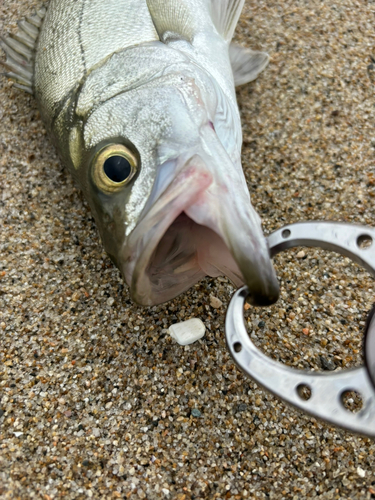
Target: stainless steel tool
319	394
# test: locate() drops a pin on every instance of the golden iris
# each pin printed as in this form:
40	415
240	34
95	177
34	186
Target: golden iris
114	167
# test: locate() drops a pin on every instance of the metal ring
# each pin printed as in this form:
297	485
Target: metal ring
369	345
326	390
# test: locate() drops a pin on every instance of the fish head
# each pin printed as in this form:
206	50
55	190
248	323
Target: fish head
170	201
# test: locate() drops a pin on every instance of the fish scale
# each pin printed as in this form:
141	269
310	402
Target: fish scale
78	35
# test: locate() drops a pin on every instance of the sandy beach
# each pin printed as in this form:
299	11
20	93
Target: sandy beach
96	400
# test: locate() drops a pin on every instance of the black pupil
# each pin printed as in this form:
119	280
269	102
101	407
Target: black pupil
117	168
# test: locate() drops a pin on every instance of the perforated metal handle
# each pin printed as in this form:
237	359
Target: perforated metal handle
326	390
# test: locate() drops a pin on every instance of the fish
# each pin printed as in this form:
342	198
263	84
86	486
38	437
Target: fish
139	98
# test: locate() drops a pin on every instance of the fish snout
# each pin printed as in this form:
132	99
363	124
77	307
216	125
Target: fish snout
251	252
261	296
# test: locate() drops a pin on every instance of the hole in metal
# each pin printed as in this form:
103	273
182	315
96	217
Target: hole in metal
286	233
237	346
319	319
304	392
352	401
364	241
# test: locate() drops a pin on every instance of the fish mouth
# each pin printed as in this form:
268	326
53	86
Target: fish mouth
186	235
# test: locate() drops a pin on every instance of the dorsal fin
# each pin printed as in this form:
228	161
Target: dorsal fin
20	51
225	15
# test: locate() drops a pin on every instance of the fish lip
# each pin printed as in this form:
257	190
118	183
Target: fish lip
258	272
265	293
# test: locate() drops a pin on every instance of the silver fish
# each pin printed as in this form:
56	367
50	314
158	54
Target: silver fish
139	96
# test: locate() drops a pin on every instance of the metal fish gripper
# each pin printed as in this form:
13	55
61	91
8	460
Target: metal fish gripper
319	394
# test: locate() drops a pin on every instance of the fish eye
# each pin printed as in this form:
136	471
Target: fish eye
114	167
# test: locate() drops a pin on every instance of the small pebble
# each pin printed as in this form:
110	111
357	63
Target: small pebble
215	302
187	332
196	413
110	301
327	364
361	472
301	254
242	407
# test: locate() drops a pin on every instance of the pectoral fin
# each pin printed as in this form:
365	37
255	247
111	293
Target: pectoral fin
173	19
19	49
246	63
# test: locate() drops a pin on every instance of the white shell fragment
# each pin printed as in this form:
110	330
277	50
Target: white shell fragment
361	472
187	332
215	302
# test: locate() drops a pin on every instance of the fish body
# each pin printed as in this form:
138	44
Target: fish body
139	96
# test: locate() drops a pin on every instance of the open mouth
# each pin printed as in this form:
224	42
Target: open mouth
185	254
197	227
169	250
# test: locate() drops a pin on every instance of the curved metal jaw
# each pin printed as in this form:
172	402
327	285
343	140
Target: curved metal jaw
319	394
369	344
